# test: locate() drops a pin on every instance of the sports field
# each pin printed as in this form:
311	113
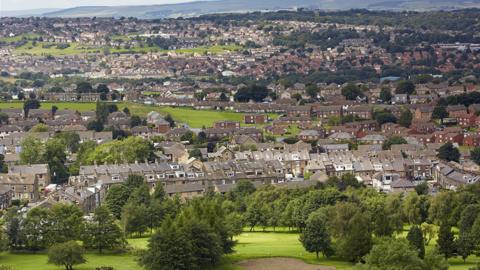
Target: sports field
191	117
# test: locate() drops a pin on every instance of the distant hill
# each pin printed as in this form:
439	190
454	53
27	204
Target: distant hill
26	13
228	6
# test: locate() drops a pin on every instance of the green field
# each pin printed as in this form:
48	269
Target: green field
46	48
191	117
250	245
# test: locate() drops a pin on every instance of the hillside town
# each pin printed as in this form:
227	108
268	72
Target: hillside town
228	107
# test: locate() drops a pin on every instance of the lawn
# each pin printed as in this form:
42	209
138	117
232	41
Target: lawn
39	262
191	117
274	244
250	245
47	48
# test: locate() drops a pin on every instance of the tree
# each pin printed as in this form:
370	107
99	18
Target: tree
102	232
65	223
117	196
170	120
102	112
422	188
32	150
405	87
385	95
135	120
385	117
56	157
405	119
30	104
35	228
84	87
312	90
434	260
475	155
70	139
393	140
134	218
67	254
130	149
39	128
345	181
252	92
464	245
206	244
448	152
412	208
315	237
352	230
439	112
168	249
352	91
415	238
3	165
3	118
390	253
446	241
429	232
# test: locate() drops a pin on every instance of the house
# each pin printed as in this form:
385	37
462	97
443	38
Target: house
6	195
373	139
445	136
466	119
364	112
422	127
402	185
255	118
221	155
160	124
325	112
24	187
400	99
423	113
226	124
41	172
39	114
450	177
456	110
309	135
471	139
299	111
418	169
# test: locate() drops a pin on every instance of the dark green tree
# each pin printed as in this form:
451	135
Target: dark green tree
415	238
439	112
66	254
405	119
448	152
315	237
446	241
168	249
405	87
102	232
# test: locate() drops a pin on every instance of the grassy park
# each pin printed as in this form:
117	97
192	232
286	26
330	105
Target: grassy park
191	117
45	48
250	245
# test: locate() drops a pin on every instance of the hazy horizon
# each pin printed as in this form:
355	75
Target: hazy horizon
18	5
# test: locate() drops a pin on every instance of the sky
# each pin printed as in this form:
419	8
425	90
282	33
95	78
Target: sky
41	4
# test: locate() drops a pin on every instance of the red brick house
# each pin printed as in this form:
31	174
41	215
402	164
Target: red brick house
472	140
255	118
456	110
466	119
226	124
